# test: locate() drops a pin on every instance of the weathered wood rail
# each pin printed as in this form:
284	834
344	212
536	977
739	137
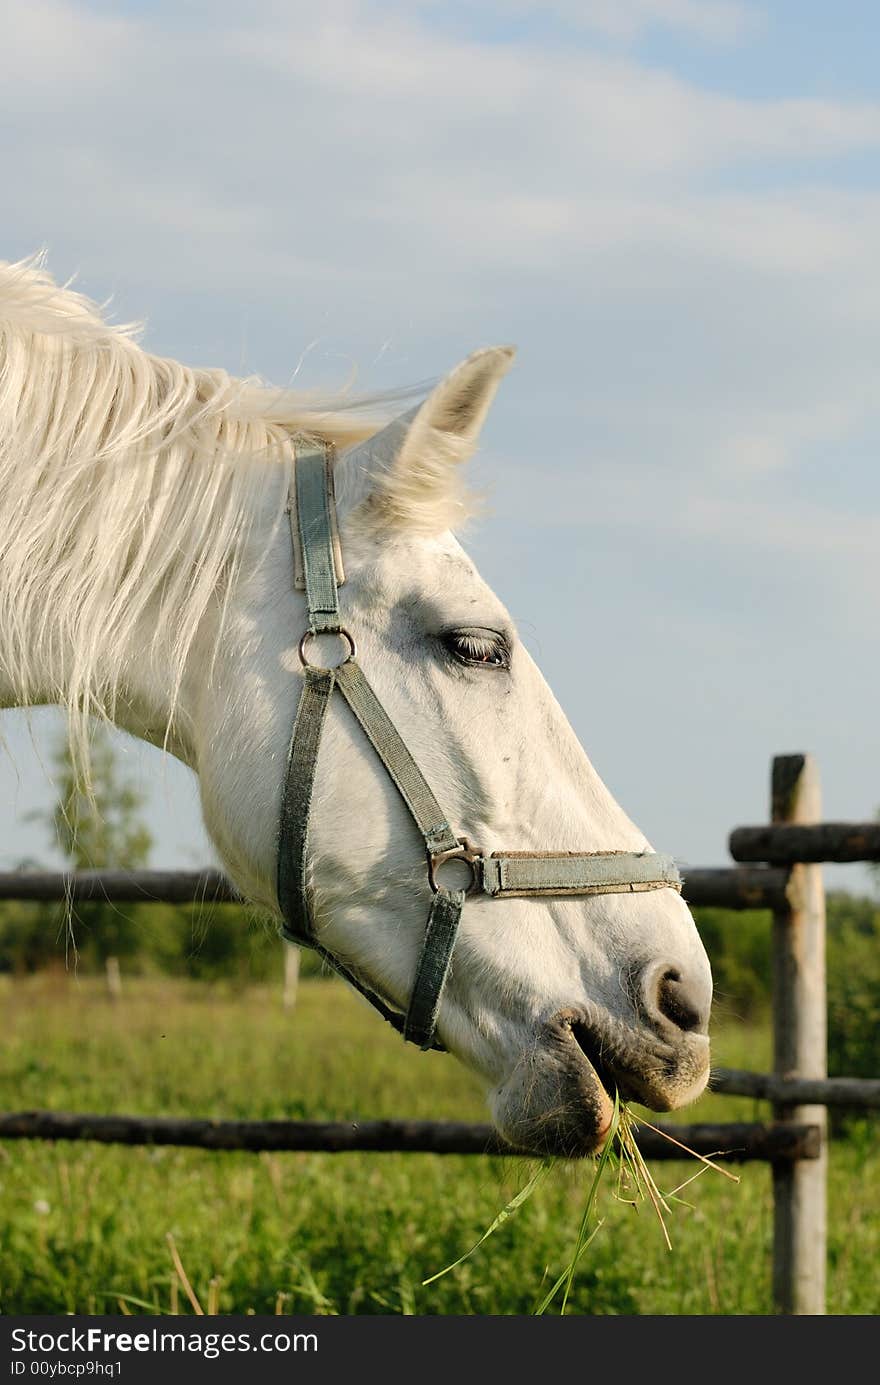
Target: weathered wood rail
119	886
736	888
789	844
850	1092
732	1142
779	871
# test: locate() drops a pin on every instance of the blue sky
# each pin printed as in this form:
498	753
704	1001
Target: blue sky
671	206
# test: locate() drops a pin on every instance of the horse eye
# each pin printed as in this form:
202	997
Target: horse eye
478	647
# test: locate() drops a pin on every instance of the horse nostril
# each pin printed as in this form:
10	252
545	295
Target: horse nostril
670	994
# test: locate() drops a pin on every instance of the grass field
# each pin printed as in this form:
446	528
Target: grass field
84	1228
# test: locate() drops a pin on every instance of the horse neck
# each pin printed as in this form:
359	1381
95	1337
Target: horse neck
141	701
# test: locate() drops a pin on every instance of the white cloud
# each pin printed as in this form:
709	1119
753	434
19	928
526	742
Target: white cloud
352	154
52	48
347	141
571	115
692	277
714	21
360	163
719	21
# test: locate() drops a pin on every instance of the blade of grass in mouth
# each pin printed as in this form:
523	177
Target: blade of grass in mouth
566	1279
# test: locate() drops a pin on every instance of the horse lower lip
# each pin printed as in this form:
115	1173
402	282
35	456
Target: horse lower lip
554	1102
591	1048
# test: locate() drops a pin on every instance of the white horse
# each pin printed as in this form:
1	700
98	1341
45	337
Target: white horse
145	576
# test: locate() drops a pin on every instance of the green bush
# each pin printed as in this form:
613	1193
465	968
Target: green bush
739	948
31	936
739	945
196	941
854	989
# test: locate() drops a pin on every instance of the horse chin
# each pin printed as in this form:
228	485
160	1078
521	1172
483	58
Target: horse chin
559	1099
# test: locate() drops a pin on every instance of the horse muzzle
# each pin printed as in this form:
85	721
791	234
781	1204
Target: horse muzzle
560	1097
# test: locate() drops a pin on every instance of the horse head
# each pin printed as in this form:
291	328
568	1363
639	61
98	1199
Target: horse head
146	575
557	1001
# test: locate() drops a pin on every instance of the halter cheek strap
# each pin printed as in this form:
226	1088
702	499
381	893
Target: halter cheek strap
313	508
318	563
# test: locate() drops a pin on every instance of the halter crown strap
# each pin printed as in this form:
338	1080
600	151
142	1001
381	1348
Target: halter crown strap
312	504
312	520
501	875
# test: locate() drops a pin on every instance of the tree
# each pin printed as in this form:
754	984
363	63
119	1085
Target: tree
99	826
874	866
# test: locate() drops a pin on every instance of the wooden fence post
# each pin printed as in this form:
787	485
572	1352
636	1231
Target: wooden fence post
800	1050
114	978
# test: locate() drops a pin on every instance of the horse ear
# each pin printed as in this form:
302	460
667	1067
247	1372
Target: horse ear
411	468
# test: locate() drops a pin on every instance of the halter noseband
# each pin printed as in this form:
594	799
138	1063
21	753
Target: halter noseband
318	567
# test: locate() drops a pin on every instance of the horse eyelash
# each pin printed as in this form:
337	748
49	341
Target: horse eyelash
478	648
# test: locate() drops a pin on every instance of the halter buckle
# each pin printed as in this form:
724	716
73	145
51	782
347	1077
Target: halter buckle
472	857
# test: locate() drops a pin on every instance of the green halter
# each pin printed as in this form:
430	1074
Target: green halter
318	561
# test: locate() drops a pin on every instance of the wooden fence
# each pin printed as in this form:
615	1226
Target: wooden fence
779	869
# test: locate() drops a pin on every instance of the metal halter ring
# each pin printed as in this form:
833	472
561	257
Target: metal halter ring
313	634
463	852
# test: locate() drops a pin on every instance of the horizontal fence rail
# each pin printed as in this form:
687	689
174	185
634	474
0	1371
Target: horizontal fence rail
789	844
734	1142
728	888
862	1092
736	887
119	886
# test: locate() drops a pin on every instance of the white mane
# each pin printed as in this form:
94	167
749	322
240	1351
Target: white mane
126	484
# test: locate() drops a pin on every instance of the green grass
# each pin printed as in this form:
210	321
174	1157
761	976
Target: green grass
84	1228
